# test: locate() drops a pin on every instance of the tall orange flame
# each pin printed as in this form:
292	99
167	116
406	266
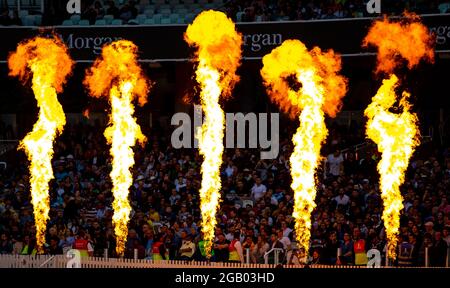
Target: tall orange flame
49	63
117	75
396	134
321	92
219	52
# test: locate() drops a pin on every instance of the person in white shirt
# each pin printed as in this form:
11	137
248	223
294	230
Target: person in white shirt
284	240
286	229
342	199
258	190
335	163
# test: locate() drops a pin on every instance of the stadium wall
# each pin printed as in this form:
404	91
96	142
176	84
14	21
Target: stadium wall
165	42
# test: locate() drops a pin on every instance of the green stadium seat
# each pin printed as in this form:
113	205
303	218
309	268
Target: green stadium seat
180	20
174	18
108	19
141	18
28	20
38	20
165	12
67	23
149	21
100	22
165	21
182	11
178	7
116	22
83	23
75	19
23	13
165	7
149	12
157	18
174	2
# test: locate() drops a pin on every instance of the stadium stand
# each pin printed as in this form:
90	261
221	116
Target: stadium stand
179	11
257	202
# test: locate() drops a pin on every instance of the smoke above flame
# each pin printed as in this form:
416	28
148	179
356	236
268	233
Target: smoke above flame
117	75
395	133
47	61
321	91
218	53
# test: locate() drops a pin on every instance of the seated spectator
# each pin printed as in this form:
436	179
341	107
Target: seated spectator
6	246
5	20
112	9
258	190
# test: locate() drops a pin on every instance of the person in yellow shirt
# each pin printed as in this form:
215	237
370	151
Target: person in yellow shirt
153	215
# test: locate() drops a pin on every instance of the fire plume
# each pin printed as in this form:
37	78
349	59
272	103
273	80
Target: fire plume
48	62
395	133
321	91
117	75
218	53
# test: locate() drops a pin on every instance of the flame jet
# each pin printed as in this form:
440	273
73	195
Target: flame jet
322	89
49	63
117	75
218	53
395	133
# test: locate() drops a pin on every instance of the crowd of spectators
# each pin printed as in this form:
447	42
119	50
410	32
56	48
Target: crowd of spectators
256	211
284	10
238	10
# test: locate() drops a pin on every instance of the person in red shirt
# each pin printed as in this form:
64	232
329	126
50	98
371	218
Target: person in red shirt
83	244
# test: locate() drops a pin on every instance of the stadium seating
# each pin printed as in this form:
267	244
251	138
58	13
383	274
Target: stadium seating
38	20
100	22
157	18
28	20
116	22
83	23
23	13
141	18
108	19
444	7
165	21
67	23
75	19
149	21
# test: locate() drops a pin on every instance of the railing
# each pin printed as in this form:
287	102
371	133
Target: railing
276	252
61	261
